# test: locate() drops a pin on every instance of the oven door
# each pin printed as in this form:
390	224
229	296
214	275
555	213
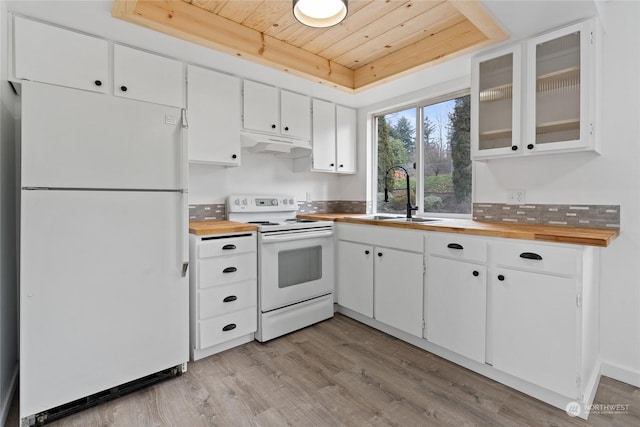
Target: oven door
294	266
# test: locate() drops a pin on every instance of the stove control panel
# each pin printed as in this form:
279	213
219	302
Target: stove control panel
261	203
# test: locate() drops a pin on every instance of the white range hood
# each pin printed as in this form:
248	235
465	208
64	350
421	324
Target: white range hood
272	144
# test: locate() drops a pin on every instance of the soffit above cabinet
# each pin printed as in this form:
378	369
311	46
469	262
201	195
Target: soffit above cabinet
377	42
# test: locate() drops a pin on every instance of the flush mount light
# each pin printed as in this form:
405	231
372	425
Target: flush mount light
320	13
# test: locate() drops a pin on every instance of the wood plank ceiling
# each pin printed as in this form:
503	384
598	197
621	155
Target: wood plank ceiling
378	41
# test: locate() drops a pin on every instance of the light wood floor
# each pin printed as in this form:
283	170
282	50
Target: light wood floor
337	373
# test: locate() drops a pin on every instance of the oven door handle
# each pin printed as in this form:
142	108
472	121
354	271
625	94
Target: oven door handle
295	236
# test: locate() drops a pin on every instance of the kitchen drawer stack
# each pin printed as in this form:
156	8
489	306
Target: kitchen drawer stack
223	301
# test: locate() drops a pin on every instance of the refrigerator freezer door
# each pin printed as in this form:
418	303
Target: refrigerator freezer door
77	139
102	298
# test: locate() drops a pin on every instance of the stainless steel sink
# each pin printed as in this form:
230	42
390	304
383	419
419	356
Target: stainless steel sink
415	219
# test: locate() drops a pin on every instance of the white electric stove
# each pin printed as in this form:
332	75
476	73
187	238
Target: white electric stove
295	263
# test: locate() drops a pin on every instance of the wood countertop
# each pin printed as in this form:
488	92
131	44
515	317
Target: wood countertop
544	233
201	228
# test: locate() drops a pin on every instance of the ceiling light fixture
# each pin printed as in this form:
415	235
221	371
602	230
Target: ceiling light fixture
320	13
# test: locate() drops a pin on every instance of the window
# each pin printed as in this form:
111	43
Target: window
431	141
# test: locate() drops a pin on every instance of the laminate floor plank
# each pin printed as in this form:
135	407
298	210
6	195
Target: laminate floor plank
339	373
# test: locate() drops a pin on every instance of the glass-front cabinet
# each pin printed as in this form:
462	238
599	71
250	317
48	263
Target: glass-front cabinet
495	103
553	109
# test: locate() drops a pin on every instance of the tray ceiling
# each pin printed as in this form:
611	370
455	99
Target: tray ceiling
378	41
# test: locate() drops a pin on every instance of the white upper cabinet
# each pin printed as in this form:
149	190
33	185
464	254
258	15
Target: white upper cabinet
324	136
295	115
270	110
213	105
147	77
560	88
260	107
346	126
554	107
496	103
334	138
48	54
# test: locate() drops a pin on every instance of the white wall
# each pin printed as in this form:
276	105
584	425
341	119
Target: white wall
8	282
613	177
259	173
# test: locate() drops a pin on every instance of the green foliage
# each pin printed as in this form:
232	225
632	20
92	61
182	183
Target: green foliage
400	154
438	184
385	154
432	204
460	124
405	132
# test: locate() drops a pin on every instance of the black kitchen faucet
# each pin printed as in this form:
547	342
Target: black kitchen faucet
386	190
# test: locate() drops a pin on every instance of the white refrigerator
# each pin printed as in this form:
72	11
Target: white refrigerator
103	244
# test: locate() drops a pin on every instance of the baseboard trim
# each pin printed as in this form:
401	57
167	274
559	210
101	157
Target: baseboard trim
8	397
620	373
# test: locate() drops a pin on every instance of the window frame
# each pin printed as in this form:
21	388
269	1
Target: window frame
419	154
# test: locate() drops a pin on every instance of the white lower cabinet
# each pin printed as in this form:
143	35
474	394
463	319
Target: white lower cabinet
380	275
524	313
355	277
223	292
398	289
456	303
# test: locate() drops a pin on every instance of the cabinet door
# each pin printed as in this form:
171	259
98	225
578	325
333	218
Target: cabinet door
495	104
260	107
558	89
535	330
324	136
295	117
147	77
355	277
456	304
48	54
213	102
398	289
346	139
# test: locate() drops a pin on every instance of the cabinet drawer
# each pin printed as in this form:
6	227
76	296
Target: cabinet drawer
228	298
223	270
452	245
533	257
224	328
226	246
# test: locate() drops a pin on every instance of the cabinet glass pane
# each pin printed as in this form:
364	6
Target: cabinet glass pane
558	89
495	110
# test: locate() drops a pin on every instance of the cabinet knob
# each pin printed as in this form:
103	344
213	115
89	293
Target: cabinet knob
514	148
123	88
500	277
286	128
379	254
476	273
332	164
366	252
273	126
234	156
230	270
98	83
229	327
341	166
230	298
530	146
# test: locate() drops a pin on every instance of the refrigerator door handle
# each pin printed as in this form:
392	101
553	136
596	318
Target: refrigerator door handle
184	223
185	268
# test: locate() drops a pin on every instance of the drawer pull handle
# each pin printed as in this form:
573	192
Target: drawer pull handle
530	255
228	247
229	327
230	270
230	298
455	246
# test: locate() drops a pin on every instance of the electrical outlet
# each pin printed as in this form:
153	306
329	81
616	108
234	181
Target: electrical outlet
516	197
